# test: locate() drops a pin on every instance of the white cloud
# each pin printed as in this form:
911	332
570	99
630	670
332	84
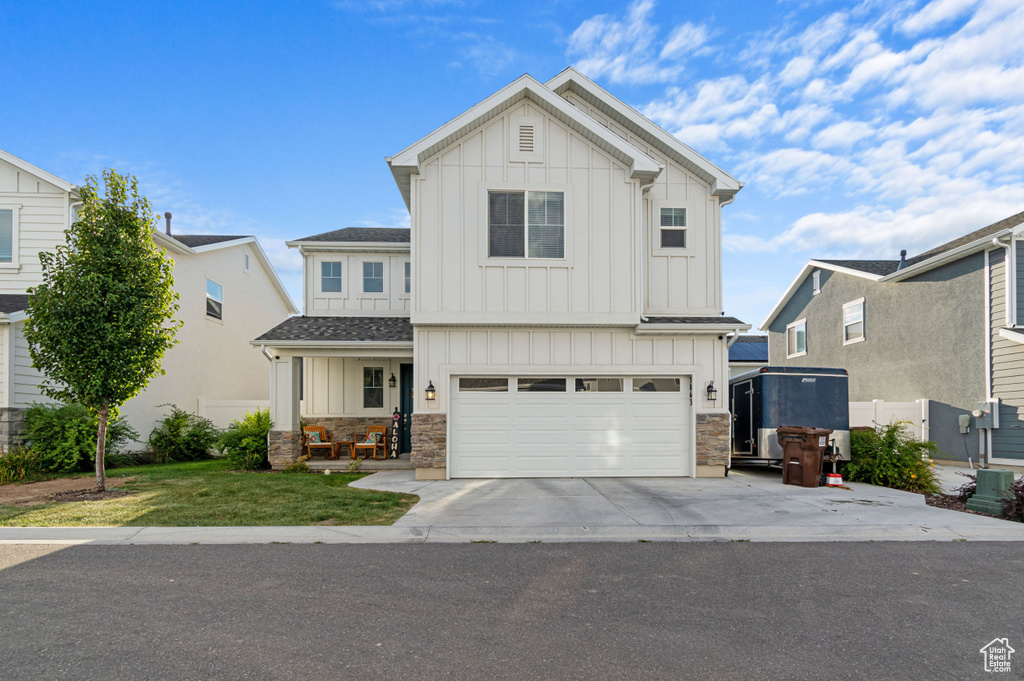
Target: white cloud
685	39
842	135
935	13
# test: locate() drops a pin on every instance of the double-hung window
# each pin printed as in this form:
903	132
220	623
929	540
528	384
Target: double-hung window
373	387
6	235
373	277
853	322
796	339
214	299
673	228
526	224
330	277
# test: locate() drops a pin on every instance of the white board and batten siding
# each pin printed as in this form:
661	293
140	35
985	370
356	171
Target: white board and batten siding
352	300
571	434
1007	359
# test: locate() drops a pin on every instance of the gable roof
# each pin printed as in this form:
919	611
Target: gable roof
406	162
888	270
722	184
21	164
383	235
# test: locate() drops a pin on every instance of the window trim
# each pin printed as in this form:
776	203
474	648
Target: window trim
341	276
794	325
363	387
485	188
655	221
209	298
15	264
383	293
863	326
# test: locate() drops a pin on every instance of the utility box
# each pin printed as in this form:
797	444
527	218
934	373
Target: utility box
801	454
992	487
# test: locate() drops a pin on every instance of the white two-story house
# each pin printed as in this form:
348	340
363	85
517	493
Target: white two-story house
228	292
555	309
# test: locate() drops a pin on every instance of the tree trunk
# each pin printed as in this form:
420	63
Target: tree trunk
101	446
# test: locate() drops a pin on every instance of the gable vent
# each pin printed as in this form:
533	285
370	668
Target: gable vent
526	139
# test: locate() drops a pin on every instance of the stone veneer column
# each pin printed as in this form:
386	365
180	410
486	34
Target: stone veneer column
712	445
430	445
283	447
12	426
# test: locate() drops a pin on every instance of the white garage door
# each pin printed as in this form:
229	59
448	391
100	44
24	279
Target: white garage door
527	427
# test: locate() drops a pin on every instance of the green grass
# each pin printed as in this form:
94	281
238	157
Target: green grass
210	493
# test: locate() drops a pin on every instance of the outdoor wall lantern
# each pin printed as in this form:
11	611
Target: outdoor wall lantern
712	391
431	390
392	382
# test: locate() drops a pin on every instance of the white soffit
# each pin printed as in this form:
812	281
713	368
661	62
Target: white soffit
406	162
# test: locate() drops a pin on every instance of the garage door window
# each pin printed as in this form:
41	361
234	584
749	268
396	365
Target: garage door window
599	385
655	385
483	385
541	385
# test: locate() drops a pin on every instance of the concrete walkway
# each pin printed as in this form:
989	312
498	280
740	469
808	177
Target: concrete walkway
750	505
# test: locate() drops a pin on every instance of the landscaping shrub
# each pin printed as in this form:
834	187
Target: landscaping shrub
1013	503
245	441
967	490
890	457
17	464
64	436
182	436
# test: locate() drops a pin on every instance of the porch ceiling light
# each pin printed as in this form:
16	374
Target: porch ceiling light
712	391
392	382
431	391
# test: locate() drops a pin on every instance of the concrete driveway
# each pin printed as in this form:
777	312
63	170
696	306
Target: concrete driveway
751	504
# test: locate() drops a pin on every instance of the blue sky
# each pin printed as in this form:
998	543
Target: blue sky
858	128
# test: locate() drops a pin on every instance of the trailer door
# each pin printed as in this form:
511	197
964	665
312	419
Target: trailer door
741	403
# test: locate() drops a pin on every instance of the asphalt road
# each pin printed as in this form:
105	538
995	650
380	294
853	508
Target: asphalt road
509	611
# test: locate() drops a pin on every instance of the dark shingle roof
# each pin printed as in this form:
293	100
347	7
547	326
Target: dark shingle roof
196	240
879	267
387	235
342	329
13	302
692	320
749	349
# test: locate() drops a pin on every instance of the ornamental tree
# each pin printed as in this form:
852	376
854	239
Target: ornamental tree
103	317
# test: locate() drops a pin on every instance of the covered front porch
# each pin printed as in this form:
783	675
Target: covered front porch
343	375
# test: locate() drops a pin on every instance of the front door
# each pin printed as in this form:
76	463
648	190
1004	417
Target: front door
405	406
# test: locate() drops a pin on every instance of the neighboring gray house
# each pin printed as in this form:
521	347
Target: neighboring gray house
941	326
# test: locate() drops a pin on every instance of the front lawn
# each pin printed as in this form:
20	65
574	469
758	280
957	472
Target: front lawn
210	493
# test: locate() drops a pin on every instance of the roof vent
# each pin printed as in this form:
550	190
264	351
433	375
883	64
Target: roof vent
903	260
167	219
526	139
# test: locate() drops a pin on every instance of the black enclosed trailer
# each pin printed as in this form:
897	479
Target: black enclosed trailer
761	401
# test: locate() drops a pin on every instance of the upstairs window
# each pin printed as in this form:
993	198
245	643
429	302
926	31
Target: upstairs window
796	339
408	277
526	224
214	299
853	321
373	277
330	277
673	228
6	235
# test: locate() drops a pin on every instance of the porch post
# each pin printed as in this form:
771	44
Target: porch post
284	440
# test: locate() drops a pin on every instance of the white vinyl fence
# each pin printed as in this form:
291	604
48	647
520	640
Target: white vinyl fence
223	412
882	412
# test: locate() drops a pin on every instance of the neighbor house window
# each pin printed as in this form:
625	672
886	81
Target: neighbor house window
6	235
330	277
853	322
816	279
526	224
214	300
796	339
408	277
373	277
673	228
373	387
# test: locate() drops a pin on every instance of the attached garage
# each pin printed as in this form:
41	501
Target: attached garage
530	427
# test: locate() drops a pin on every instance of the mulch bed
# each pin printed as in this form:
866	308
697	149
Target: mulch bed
91	495
953	503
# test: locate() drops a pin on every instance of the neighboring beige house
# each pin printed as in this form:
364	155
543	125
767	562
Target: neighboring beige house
228	293
555	309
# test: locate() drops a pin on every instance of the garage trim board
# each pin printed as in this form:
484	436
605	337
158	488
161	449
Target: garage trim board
571	426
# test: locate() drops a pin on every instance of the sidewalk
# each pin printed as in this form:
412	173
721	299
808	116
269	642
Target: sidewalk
749	505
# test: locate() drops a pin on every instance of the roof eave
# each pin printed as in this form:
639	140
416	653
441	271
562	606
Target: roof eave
330	344
710	329
950	255
24	165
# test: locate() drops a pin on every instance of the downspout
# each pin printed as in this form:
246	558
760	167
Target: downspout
733	338
643	227
986	440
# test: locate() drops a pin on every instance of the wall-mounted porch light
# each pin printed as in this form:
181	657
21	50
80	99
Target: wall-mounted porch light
392	382
431	391
712	391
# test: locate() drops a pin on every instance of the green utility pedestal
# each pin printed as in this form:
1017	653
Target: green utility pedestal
992	487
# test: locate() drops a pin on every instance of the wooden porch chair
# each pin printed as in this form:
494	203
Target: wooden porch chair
326	443
372	441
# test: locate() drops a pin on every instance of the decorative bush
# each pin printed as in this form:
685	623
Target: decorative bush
1013	503
182	436
245	441
968	489
889	456
64	436
17	464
